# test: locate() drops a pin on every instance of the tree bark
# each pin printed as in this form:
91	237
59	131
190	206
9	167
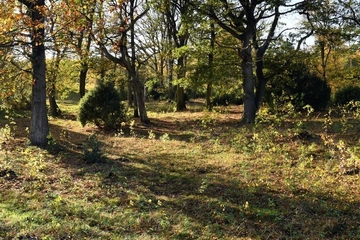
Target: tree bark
39	126
170	79
248	82
54	109
180	95
180	99
139	91
82	79
84	58
261	84
211	66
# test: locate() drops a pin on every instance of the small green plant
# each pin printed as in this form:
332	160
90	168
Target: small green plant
93	150
7	132
152	135
132	129
165	137
102	106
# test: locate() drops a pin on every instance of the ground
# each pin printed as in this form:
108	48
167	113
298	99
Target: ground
187	175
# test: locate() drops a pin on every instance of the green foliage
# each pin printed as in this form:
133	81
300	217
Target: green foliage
121	82
102	106
67	76
92	151
155	89
15	86
300	87
347	94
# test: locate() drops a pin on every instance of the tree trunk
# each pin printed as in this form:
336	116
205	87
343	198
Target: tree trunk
139	91
170	79
180	95
82	79
211	66
54	109
180	99
53	71
260	87
136	108
248	84
39	126
84	64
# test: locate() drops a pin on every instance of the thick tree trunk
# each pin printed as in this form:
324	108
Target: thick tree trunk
248	84
39	126
180	99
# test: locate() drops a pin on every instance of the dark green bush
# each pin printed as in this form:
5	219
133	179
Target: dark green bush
227	99
299	86
347	94
102	106
231	95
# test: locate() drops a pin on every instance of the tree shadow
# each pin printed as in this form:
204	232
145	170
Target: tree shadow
223	204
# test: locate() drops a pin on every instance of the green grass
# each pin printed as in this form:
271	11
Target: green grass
188	175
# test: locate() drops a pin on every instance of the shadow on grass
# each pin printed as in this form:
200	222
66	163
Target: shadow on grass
185	130
207	202
231	208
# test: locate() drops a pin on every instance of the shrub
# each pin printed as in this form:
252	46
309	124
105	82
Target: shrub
227	99
347	94
299	86
229	96
102	106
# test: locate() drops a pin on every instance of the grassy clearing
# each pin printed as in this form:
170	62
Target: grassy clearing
188	175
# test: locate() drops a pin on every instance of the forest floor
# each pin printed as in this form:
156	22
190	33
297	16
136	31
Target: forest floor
187	175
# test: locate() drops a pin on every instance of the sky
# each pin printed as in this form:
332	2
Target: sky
294	20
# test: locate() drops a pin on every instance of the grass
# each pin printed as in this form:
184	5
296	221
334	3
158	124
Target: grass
187	175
